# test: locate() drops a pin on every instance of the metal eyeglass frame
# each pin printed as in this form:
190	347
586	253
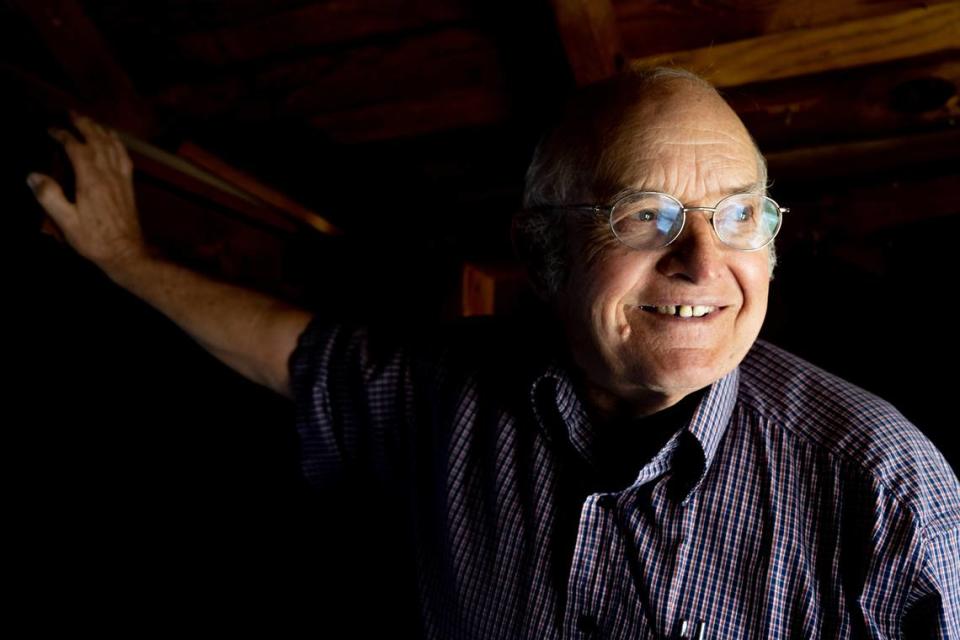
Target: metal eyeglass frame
599	210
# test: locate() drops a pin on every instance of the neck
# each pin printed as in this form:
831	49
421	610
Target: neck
605	406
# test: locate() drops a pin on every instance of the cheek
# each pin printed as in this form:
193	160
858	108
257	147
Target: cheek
754	278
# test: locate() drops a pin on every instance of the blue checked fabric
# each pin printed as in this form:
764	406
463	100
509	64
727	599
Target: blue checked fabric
791	504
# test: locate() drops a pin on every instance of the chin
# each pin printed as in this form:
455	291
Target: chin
677	376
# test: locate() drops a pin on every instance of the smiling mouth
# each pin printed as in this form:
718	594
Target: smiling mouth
681	310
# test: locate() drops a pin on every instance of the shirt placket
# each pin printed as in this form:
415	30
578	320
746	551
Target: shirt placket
598	548
616	528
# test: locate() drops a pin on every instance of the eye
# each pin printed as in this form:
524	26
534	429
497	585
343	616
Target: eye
645	215
743	213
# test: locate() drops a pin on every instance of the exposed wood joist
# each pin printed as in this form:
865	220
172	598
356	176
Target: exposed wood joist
77	45
438	67
865	157
651	27
590	38
253	187
804	51
876	101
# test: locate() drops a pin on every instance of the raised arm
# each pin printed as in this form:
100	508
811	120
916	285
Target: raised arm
250	332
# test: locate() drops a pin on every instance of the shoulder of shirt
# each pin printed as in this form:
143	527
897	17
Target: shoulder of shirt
499	349
840	419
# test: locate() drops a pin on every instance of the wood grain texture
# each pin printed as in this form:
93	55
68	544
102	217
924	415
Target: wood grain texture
885	100
805	51
590	38
649	27
866	157
268	195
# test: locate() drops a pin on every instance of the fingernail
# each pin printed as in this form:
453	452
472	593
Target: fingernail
33	181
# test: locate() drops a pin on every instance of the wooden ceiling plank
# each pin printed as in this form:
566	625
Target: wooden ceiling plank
416	66
590	38
314	25
650	27
805	51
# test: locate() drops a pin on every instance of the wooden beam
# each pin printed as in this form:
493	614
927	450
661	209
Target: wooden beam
490	288
865	157
804	51
76	44
418	67
898	98
192	180
650	27
250	185
590	38
198	172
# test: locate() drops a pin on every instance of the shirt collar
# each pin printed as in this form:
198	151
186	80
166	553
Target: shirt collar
552	392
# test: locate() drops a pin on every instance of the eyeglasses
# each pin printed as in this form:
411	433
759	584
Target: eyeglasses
652	220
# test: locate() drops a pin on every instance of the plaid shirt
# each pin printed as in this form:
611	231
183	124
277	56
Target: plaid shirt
791	504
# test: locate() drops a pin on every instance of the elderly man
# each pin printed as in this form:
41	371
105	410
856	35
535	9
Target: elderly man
632	464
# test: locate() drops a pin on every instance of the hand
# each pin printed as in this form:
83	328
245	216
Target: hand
103	225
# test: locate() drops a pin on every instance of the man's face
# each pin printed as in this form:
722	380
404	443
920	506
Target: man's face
692	146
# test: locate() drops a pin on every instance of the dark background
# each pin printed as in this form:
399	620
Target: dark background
150	487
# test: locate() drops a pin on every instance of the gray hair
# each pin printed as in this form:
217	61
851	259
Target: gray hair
569	165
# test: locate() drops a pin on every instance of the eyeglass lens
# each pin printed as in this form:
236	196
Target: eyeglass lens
651	220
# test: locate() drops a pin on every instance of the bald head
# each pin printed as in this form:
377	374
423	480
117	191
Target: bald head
655	141
610	131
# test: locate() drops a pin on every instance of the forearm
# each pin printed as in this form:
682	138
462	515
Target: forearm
249	331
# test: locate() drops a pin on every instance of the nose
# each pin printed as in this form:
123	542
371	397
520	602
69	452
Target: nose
697	254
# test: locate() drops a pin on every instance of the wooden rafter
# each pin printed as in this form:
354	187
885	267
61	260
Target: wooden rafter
805	51
109	96
590	38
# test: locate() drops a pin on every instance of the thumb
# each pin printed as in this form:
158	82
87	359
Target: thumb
49	194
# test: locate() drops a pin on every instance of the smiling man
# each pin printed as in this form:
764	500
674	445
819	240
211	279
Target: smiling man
683	141
631	463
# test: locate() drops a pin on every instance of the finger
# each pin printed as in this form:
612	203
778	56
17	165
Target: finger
86	126
50	196
63	136
110	146
80	157
123	158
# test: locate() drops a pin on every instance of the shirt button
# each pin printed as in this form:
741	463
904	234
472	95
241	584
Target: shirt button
586	623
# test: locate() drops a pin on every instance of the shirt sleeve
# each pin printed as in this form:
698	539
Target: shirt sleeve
935	608
352	398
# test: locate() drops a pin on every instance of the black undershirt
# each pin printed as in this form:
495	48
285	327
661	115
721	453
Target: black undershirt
620	449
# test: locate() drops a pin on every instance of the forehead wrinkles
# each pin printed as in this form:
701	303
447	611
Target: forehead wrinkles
683	161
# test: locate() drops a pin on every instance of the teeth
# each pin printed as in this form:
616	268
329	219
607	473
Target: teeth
684	310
